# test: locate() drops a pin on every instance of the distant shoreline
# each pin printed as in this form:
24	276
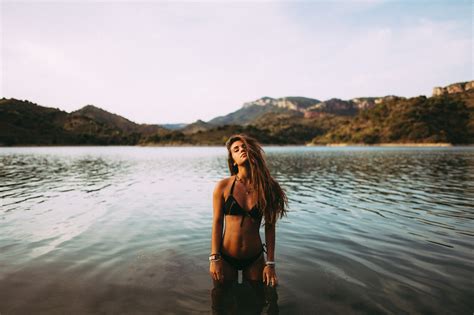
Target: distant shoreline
408	144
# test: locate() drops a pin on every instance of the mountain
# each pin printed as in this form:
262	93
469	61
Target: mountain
173	126
245	115
253	110
197	126
81	118
26	123
447	116
291	102
250	112
23	122
344	107
444	117
103	117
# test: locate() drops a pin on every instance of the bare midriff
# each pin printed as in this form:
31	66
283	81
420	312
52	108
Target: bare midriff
241	241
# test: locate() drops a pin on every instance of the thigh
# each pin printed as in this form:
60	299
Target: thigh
255	270
230	273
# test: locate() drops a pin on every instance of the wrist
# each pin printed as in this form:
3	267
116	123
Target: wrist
270	263
214	257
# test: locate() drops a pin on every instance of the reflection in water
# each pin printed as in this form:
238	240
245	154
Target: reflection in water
30	182
127	230
248	297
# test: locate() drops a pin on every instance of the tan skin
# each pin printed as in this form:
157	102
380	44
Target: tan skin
240	241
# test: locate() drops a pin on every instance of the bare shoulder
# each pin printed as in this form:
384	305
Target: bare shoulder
221	185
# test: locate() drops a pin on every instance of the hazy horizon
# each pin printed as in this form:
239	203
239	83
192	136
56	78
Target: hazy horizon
176	62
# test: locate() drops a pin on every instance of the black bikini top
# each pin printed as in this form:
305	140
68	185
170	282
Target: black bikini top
232	207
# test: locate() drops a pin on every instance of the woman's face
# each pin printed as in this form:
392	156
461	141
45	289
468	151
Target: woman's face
239	152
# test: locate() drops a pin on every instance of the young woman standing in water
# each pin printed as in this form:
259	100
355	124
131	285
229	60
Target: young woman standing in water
241	201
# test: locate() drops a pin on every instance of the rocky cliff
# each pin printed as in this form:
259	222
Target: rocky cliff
315	108
454	88
291	103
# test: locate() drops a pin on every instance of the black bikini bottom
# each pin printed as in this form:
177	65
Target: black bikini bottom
239	263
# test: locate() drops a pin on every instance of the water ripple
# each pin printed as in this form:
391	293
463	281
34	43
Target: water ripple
385	230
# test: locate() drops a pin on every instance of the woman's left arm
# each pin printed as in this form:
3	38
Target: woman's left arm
269	275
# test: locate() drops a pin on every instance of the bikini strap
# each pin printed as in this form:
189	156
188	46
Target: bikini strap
232	188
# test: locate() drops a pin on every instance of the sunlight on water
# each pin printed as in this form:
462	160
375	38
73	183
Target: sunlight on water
127	229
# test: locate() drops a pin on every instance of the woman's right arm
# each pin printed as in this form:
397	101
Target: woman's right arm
215	267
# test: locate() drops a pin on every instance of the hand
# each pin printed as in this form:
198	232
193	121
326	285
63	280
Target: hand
216	270
269	276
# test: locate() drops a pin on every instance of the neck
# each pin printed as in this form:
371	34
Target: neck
243	174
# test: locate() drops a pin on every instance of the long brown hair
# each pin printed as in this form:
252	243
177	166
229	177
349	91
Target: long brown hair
271	199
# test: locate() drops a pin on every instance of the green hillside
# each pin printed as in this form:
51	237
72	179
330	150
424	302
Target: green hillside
447	117
26	123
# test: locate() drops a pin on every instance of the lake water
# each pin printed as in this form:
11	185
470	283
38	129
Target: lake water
126	230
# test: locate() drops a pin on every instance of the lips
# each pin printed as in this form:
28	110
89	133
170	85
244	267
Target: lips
243	154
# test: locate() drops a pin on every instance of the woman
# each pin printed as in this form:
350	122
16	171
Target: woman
242	200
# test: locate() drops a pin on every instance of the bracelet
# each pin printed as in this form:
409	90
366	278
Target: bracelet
270	263
214	257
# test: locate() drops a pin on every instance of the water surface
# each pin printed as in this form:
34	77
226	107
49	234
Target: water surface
126	230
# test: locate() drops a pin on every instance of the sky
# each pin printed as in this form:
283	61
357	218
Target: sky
178	61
